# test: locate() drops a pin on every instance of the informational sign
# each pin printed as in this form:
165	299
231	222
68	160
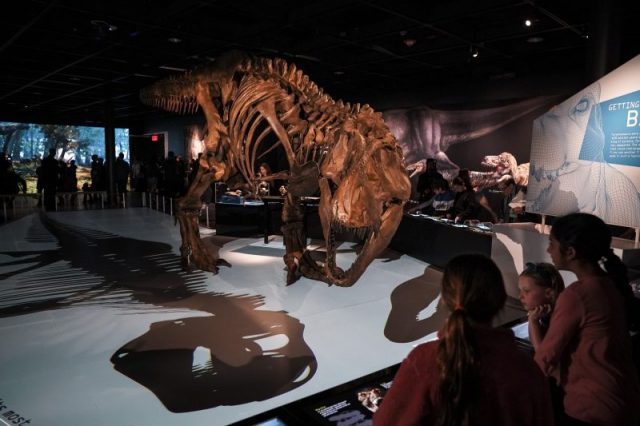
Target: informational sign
585	152
352	407
621	126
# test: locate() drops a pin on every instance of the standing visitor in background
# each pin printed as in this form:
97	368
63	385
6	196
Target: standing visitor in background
427	179
122	173
263	187
49	172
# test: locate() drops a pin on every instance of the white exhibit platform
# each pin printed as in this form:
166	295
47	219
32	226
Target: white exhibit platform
100	326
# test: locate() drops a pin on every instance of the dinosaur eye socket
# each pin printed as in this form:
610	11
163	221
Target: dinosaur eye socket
582	106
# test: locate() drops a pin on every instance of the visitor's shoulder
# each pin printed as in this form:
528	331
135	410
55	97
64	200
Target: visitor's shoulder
424	351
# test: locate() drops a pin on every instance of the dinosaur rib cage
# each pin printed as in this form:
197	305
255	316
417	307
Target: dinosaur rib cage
269	96
269	106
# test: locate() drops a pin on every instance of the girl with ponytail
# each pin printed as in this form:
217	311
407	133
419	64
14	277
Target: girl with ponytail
474	374
587	348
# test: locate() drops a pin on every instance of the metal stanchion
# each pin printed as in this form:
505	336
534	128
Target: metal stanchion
157	202
163	201
206	205
124	202
170	206
144	199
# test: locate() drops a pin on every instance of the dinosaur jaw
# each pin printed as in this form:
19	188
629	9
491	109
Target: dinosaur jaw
374	244
376	238
490	166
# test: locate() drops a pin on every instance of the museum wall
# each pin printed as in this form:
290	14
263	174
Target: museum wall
176	127
501	95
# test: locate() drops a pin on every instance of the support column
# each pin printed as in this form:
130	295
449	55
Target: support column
110	145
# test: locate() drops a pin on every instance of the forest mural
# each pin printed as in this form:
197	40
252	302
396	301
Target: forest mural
26	144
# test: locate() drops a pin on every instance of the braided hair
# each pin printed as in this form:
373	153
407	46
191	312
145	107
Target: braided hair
473	290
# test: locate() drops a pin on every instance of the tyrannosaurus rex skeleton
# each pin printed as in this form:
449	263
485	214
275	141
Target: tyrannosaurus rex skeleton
345	151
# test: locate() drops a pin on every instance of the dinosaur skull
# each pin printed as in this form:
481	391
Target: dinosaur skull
363	188
501	164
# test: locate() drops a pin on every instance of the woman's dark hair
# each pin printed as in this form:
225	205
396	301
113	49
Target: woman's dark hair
545	275
473	290
465	175
266	167
590	238
440	184
459	181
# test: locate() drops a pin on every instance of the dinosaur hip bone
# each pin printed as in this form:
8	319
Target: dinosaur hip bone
254	106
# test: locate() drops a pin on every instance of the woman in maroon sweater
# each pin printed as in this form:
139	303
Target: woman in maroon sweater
587	347
474	374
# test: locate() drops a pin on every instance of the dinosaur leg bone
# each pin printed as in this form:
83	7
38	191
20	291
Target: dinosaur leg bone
297	259
193	250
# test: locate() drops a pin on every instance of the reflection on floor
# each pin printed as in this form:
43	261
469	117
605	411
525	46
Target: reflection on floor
99	325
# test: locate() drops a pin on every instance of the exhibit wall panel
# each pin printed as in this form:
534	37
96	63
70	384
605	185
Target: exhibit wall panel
461	138
585	152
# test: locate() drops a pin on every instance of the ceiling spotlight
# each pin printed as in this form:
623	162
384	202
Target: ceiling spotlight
103	25
474	52
409	42
527	22
174	40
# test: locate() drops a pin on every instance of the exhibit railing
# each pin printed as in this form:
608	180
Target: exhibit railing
16	206
165	204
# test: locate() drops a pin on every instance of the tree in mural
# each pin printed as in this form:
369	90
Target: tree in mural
87	145
10	134
62	138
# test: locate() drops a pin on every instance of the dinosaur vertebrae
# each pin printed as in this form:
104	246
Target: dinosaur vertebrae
176	94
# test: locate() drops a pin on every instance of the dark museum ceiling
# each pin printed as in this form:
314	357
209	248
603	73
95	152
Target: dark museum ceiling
62	59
